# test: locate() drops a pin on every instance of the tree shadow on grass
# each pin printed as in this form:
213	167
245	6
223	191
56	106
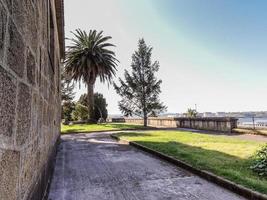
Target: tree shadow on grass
74	130
84	128
133	134
129	126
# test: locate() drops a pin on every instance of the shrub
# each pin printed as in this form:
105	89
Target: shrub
80	112
100	105
260	162
67	108
101	112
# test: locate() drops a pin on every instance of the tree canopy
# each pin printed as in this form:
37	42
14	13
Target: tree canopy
89	57
67	93
100	105
191	112
140	90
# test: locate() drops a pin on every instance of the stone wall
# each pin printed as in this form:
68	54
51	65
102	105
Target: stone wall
116	120
222	124
154	121
29	95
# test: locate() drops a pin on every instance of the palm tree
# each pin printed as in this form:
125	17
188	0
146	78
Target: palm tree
191	112
88	58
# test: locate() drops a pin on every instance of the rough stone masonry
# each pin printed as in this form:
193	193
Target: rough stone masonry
31	47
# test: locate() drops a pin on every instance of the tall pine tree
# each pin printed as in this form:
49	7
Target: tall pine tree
67	93
67	96
140	90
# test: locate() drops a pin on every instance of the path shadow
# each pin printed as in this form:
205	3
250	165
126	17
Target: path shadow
133	134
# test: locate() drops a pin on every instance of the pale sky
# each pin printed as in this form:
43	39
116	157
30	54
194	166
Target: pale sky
212	53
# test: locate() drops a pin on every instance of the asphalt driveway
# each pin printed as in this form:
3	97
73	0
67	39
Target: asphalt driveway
96	167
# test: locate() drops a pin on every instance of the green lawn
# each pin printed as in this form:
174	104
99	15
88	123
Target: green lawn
225	156
78	128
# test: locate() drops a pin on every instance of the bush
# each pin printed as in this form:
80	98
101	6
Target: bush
101	112
100	106
67	109
260	162
80	112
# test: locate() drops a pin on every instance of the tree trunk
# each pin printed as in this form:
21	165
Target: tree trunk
90	99
145	120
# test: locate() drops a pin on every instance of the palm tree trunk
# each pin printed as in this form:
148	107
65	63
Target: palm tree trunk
90	99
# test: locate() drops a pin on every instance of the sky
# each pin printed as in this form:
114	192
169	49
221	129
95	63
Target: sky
212	53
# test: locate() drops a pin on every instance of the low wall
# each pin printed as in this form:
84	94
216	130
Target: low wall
154	121
116	120
222	124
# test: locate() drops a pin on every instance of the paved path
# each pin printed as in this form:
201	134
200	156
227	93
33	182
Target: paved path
95	167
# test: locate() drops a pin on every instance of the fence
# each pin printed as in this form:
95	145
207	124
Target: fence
252	122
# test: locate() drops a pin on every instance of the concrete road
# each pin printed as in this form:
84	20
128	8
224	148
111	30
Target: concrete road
96	167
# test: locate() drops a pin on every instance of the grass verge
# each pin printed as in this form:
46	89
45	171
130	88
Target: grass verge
80	128
224	156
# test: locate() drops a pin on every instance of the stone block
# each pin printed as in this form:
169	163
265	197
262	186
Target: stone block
24	14
28	171
19	14
39	70
44	23
9	5
34	116
3	22
31	31
16	50
45	88
23	114
40	112
7	103
45	114
45	61
31	67
9	174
